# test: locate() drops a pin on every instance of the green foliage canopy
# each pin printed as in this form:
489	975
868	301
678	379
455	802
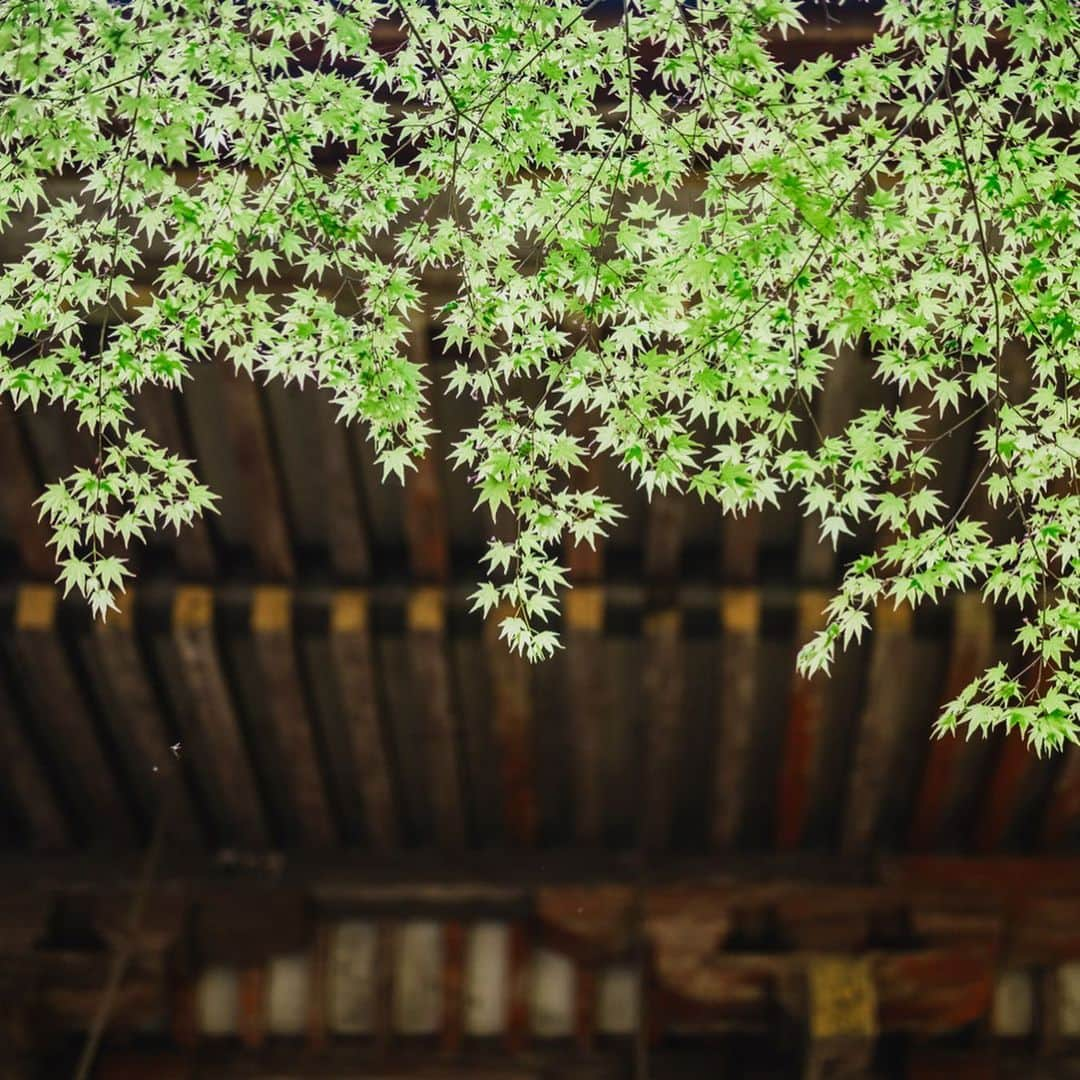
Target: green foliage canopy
920	195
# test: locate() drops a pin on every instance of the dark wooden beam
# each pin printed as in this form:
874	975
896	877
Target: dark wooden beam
585	1001
350	648
383	975
740	617
365	1063
971	652
156	408
60	708
1063	812
138	724
289	716
740	547
18	493
512	720
253	453
517	989
209	722
426	530
426	617
801	758
1001	793
501	879
26	785
453	989
663	689
881	725
584	609
251	1018
663	540
350	544
319	961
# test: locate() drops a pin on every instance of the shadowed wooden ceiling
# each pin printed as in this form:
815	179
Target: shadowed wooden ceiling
390	848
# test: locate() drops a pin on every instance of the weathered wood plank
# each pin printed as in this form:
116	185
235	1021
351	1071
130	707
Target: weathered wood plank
585	991
253	453
252	1013
17	496
1001	794
517	1006
663	689
880	725
426	530
318	1003
584	607
453	989
971	652
740	617
211	717
663	540
385	947
138	724
511	706
426	617
801	758
156	409
350	647
740	546
61	710
1063	812
26	784
275	649
350	544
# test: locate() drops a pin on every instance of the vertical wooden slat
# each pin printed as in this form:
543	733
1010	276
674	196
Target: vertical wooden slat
61	710
663	538
880	726
1002	793
453	1004
1063	812
517	1011
183	1011
740	617
426	623
252	1006
426	530
319	961
211	718
740	544
971	652
385	934
584	607
585	987
836	405
249	440
350	647
156	409
25	783
139	728
271	626
1002	790
17	495
663	686
511	706
801	756
350	545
